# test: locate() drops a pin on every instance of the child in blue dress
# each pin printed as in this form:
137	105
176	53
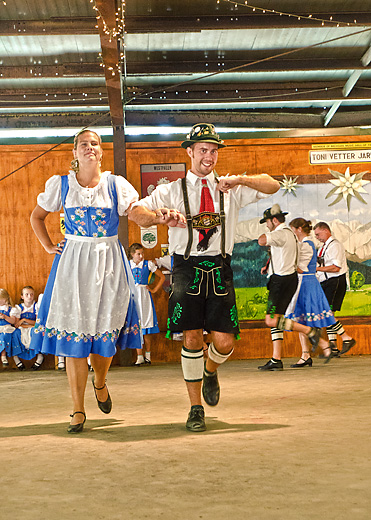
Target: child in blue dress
27	311
141	270
309	305
89	304
8	318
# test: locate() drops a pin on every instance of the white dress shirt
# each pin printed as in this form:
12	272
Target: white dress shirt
284	251
333	253
171	196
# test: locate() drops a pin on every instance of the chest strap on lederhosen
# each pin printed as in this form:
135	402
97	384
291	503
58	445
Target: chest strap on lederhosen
189	219
323	256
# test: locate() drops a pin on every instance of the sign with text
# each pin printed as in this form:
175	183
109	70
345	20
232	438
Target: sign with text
154	174
339	156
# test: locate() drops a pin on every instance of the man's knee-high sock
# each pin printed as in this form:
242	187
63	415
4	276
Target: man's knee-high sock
192	364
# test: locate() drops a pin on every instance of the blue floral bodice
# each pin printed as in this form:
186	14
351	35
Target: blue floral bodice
91	221
28	315
7	313
141	274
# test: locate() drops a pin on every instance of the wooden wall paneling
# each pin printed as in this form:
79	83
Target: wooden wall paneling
23	260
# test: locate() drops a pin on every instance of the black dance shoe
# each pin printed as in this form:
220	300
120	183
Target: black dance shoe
314	336
332	352
307	363
211	389
76	428
36	365
20	366
104	406
196	419
347	345
272	365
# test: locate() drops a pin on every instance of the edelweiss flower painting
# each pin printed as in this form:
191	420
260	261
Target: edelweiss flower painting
347	186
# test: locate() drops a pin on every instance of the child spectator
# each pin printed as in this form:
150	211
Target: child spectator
141	270
7	320
27	311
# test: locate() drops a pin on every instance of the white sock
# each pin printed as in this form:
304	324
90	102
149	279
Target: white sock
147	355
39	359
16	360
3	357
140	359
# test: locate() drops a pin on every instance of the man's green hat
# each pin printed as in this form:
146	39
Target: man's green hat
203	133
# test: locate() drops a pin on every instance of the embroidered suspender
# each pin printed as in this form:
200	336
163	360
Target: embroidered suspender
189	219
222	222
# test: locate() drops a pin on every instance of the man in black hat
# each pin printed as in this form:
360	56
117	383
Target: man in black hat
282	282
201	211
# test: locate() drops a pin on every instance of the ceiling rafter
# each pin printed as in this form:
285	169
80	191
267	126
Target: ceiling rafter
174	54
111	59
174	23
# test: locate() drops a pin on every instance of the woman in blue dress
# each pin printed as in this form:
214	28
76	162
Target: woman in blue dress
309	305
89	304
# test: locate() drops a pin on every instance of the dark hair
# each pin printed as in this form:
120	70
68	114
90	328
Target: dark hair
281	218
306	225
134	247
322	225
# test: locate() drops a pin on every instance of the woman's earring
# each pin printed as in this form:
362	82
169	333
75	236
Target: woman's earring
75	165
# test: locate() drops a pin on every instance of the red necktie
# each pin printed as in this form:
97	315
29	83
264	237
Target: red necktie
207	203
321	251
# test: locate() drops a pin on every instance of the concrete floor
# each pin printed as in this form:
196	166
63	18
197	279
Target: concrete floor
285	445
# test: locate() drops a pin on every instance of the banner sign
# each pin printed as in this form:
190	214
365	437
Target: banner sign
339	156
154	174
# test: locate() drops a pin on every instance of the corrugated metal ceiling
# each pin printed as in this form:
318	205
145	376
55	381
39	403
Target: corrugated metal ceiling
186	52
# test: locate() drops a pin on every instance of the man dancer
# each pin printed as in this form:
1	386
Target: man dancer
201	211
282	283
332	268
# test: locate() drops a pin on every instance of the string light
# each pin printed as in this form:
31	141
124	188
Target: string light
115	33
282	13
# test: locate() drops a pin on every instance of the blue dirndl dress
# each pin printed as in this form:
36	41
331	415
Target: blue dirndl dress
147	307
22	336
6	332
310	303
90	303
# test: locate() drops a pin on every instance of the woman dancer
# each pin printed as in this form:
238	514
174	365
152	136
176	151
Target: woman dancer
89	304
309	305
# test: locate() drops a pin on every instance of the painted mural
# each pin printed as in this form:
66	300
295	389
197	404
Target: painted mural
343	202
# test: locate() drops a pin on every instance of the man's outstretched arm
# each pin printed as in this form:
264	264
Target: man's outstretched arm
145	217
262	182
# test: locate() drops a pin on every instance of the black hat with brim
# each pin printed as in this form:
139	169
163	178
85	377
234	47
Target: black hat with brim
272	212
203	133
